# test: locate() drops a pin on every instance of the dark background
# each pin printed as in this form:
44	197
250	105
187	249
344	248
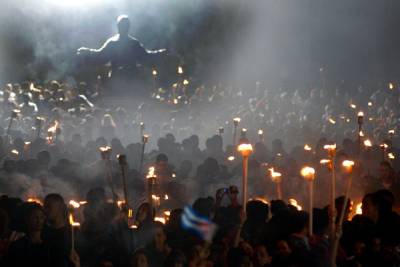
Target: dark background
281	43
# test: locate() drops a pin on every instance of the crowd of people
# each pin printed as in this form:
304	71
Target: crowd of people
50	155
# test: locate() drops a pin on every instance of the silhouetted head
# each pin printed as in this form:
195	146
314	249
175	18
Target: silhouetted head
123	24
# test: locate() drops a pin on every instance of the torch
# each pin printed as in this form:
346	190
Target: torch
235	125
308	174
360	121
151	181
124	172
154	73
221	131
245	150
260	135
145	139
348	167
14	115
141	127
73	226
105	153
276	177
331	165
384	147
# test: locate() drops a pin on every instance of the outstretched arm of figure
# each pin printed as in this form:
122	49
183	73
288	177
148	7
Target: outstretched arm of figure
102	53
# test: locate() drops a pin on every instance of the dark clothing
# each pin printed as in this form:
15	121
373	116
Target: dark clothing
24	253
59	241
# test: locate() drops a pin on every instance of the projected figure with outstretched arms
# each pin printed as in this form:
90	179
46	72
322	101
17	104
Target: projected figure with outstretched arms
123	52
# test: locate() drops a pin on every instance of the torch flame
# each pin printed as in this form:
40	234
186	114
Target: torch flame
15	152
391	132
53	128
391	86
35	200
74	204
308	173
151	172
294	203
180	70
353	106
260	132
154	72
325	161
391	155
307	147
330	147
104	148
384	146
245	149
275	176
231	158
236	120
332	121
72	222
160	219
185	82
360	114
367	143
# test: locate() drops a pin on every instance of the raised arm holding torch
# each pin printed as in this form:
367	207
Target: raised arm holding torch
124	173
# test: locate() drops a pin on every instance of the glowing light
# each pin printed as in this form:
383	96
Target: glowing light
82	202
275	176
325	161
391	132
384	146
173	175
151	172
160	219
236	121
391	86
15	152
175	101
245	149
145	138
367	143
72	222
359	208
166	197
167	213
133	226
35	200
231	158
391	155
120	203
369	104
361	133
130	213
185	82
154	72
348	165
308	173
360	114
105	149
332	121
180	70
307	147
330	147
74	204
53	128
294	203
260	132
353	106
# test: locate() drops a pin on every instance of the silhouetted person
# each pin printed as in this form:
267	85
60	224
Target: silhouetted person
124	52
